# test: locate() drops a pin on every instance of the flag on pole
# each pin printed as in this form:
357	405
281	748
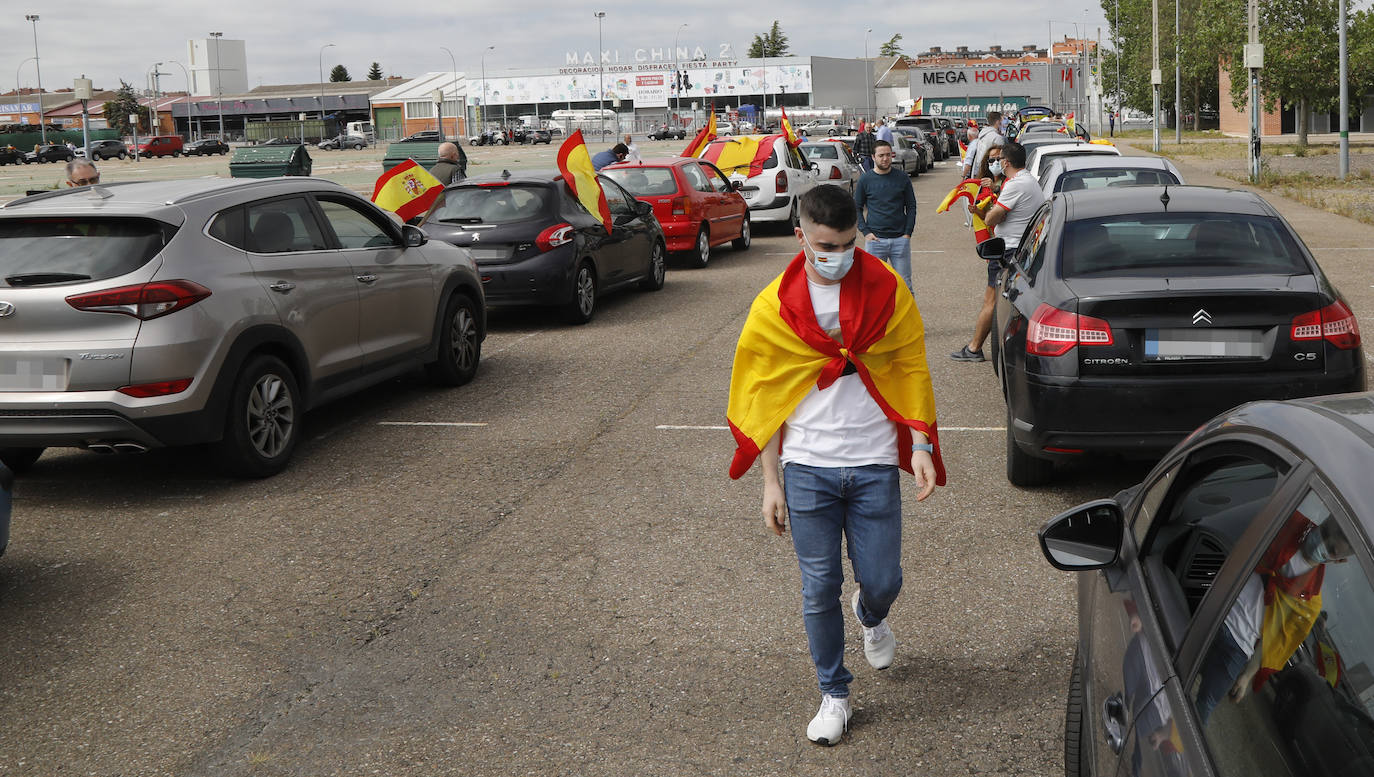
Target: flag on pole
575	163
792	138
406	190
917	107
704	137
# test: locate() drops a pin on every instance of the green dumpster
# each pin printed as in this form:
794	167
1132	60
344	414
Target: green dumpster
269	161
424	152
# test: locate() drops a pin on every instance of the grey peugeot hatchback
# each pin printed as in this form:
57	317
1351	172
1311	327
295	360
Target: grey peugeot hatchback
142	315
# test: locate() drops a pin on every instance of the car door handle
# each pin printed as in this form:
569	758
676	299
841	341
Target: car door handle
369	279
1114	722
282	286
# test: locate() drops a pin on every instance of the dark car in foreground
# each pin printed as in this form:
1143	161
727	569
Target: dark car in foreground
535	244
1129	316
206	147
1225	603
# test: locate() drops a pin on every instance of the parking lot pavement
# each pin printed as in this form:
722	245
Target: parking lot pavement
544	572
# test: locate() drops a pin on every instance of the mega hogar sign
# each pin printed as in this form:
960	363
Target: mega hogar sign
982	76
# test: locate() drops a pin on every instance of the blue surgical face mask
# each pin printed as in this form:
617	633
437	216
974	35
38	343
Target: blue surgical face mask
1314	549
832	265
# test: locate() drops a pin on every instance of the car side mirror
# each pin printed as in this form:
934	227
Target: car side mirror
737	185
412	236
1084	538
643	208
992	248
814	167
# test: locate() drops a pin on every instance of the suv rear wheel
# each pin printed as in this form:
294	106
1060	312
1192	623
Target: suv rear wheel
20	460
262	425
460	343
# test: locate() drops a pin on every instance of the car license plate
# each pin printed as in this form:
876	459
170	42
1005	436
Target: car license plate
42	374
490	254
1179	344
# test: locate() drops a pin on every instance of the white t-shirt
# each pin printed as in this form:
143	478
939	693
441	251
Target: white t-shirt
841	426
1247	614
633	156
1022	197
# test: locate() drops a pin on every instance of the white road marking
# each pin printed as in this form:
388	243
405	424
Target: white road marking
512	344
1339	248
428	423
672	428
927	252
973	429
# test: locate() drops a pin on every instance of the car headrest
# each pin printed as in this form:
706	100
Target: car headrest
1075	184
273	233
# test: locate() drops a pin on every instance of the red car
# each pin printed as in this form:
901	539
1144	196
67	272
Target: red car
693	201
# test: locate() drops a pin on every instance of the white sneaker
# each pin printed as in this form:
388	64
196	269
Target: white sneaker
879	643
830	722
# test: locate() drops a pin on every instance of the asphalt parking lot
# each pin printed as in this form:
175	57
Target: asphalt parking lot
546	571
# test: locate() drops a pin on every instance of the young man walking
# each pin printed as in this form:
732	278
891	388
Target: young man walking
886	206
831	389
1008	216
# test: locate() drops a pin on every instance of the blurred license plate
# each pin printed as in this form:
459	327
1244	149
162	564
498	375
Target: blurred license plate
43	374
479	254
1178	344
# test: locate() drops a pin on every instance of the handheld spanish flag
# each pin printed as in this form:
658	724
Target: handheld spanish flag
792	139
406	190
576	166
703	138
1069	121
917	107
970	189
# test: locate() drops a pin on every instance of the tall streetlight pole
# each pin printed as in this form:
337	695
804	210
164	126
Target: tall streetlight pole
868	78
219	86
600	79
1178	80
322	48
677	92
42	125
454	73
1345	97
1156	77
152	104
483	114
190	102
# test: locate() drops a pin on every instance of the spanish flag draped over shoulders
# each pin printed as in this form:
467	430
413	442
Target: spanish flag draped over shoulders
783	352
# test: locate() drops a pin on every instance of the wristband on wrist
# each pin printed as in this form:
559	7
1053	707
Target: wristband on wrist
923	446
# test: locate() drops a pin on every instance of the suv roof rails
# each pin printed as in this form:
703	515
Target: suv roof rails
48	195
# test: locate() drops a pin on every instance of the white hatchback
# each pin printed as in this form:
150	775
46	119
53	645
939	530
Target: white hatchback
782	178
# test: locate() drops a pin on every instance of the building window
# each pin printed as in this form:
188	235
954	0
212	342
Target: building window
420	109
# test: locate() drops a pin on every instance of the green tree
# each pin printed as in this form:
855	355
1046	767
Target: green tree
117	110
893	47
769	44
338	74
1301	60
375	72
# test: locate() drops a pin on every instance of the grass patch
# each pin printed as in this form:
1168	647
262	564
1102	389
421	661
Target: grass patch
1167	135
1352	198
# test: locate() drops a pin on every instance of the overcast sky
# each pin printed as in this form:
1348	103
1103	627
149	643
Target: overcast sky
283	39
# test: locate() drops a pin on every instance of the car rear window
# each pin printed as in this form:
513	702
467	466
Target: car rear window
40	251
828	151
502	204
1180	244
1103	177
644	181
1043	162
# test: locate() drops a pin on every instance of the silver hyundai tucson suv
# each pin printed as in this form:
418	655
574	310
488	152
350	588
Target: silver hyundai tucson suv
142	315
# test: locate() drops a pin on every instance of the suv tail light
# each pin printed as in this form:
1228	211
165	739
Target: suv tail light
782	181
835	173
1053	332
144	301
1334	323
162	389
553	237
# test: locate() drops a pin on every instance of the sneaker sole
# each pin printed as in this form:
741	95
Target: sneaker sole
823	742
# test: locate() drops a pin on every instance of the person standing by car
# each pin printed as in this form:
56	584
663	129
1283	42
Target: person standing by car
610	156
990	135
1018	201
884	132
886	207
452	165
631	150
834	412
863	148
81	172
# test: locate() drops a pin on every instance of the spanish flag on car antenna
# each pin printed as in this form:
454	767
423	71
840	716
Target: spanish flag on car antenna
406	190
917	107
704	137
792	139
575	163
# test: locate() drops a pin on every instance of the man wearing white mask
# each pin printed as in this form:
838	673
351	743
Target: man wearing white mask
830	388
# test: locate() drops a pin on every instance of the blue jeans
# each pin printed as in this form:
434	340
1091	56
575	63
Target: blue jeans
896	251
864	506
1220	667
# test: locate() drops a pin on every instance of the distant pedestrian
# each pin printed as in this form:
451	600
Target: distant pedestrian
863	148
632	151
831	389
81	172
884	132
887	211
1111	123
452	166
1012	211
610	156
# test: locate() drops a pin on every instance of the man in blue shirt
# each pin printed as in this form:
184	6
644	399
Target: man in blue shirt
887	211
610	156
884	132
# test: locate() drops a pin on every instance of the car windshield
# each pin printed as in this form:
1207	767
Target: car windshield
1103	177
35	251
1180	244
827	151
644	180
479	204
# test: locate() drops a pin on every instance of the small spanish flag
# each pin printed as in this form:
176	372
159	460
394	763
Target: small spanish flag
703	138
970	189
575	163
1069	121
406	190
917	107
792	139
